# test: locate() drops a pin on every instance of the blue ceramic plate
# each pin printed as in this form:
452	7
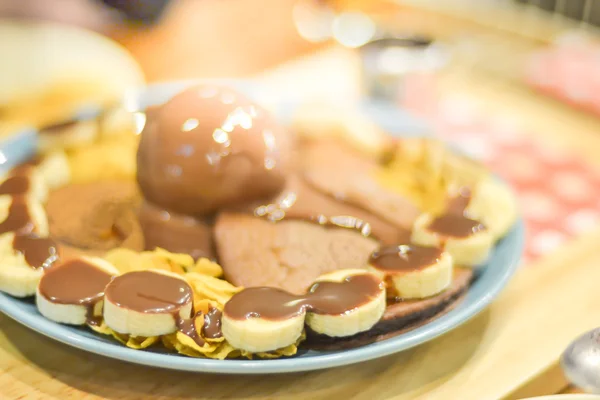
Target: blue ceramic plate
489	282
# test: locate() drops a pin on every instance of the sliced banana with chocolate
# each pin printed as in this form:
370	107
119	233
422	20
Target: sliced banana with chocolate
413	271
341	303
346	302
494	204
25	182
262	319
73	292
24	258
147	303
467	240
23	215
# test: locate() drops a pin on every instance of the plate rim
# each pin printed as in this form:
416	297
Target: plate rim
420	335
468	309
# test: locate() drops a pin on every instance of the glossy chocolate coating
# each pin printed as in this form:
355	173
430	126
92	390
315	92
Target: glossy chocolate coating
149	292
455	225
405	258
19	218
18	184
212	324
210	147
329	298
39	252
74	282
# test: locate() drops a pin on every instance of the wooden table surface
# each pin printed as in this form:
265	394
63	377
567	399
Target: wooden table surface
508	351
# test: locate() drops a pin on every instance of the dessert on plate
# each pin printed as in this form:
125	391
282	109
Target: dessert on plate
219	232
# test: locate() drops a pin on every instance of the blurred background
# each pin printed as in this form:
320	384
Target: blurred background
513	83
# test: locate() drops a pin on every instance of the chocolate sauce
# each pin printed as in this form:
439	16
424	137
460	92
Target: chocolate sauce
39	252
18	184
187	326
303	201
210	329
455	225
329	298
149	292
212	324
75	282
27	167
18	220
405	258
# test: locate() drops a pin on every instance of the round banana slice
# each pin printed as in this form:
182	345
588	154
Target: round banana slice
147	303
73	292
263	319
341	303
23	215
346	302
494	204
467	240
23	259
29	183
413	272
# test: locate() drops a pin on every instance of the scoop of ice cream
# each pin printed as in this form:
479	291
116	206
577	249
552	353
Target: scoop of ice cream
95	217
209	147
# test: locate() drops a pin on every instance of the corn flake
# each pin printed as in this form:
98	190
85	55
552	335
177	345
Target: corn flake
134	342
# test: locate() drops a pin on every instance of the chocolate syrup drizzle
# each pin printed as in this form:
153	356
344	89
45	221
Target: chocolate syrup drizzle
455	225
328	298
405	258
211	327
39	252
17	184
19	219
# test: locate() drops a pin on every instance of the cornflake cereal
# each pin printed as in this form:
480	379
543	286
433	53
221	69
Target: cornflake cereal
209	292
133	342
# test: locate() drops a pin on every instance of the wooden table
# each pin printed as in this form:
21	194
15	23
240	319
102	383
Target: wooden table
508	351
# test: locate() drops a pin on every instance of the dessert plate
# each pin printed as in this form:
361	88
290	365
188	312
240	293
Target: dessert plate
490	279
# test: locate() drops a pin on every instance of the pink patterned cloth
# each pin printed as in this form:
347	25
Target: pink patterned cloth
559	194
569	72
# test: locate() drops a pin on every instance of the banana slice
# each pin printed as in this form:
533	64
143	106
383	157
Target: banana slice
263	319
413	272
494	204
147	303
467	240
73	292
27	182
23	215
346	302
23	259
341	303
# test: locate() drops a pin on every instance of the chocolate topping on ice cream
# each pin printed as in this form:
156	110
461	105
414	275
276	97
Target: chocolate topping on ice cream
210	147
